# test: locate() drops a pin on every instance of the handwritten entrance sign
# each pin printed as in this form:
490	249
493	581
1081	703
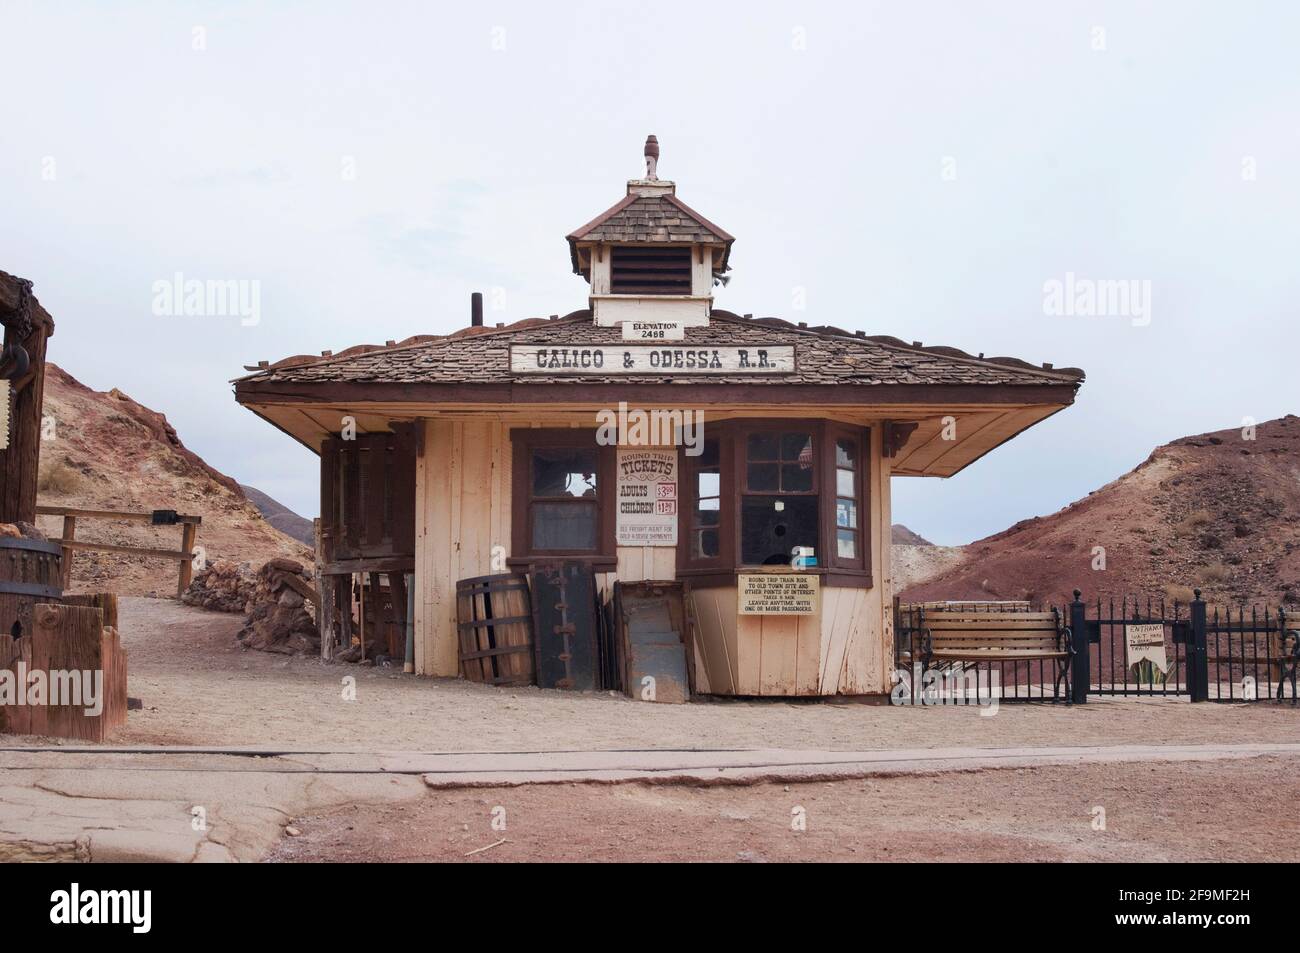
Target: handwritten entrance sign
602	360
778	593
1145	643
647	497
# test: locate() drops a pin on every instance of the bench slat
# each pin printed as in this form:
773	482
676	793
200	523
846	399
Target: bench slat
944	624
991	639
998	654
989	616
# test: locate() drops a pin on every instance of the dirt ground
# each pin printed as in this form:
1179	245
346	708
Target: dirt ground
1159	812
199	688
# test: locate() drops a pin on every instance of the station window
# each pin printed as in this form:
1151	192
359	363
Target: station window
705	532
562	496
564	508
764	492
779	505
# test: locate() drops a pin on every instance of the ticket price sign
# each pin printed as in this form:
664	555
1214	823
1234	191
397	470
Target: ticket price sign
647	497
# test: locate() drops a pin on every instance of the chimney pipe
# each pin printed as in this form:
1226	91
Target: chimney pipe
476	309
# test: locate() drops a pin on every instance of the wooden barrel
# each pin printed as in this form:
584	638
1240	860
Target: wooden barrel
495	629
31	571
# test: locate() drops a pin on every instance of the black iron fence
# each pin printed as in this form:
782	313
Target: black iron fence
1107	624
1248	654
1127	647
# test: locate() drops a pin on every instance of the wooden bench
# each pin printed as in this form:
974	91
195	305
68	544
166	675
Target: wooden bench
966	635
907	617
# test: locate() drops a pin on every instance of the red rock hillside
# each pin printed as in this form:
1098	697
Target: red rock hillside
1215	511
109	452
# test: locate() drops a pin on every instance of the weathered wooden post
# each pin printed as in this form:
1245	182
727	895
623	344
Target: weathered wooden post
1198	668
1081	668
189	532
22	364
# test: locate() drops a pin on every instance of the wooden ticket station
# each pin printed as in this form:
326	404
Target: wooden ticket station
655	437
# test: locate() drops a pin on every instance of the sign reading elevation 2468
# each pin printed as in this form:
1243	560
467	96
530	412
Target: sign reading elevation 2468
602	360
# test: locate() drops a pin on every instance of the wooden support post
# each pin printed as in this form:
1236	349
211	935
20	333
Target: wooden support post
188	533
397	591
327	612
69	532
378	632
345	610
20	462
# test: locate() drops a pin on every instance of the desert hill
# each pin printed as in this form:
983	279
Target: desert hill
108	452
900	535
280	516
1216	510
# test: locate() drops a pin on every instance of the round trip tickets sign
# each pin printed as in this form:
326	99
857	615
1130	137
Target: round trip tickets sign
646	359
647	497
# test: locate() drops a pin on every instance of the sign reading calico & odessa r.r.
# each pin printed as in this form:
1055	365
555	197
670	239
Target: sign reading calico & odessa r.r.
602	360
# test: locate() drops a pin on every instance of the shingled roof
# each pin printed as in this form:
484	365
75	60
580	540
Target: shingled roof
661	218
825	356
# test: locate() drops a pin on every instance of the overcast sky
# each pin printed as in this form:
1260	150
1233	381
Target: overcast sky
917	169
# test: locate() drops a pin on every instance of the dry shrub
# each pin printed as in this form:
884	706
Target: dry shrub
59	478
1193	522
1215	574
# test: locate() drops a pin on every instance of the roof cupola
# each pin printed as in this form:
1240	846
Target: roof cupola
651	258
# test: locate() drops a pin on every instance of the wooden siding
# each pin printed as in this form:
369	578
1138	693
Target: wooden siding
463	510
462	478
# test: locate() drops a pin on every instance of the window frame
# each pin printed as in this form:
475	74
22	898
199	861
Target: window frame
733	436
688	494
523	442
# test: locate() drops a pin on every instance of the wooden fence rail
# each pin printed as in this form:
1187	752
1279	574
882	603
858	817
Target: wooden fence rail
184	556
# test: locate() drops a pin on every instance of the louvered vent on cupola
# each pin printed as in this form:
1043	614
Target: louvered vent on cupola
650	270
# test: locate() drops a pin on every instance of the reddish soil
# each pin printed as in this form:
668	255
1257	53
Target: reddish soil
1216	511
1210	811
109	452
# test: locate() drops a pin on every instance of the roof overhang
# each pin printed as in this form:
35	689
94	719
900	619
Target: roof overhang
955	424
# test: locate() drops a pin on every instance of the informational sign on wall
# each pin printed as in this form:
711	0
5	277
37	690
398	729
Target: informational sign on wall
647	497
1145	642
778	593
602	360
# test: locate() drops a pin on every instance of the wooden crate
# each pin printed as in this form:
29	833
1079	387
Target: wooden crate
67	638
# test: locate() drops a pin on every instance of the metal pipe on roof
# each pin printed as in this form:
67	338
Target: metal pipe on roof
476	309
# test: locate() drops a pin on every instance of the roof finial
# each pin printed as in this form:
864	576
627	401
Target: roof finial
651	158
